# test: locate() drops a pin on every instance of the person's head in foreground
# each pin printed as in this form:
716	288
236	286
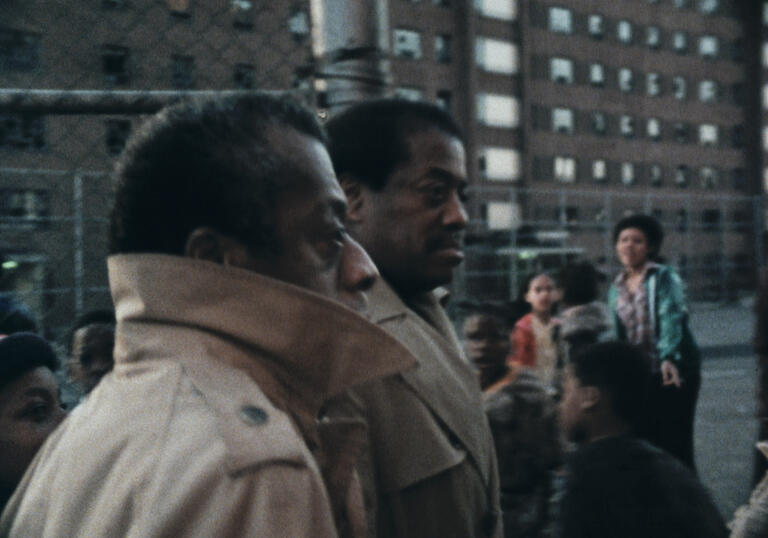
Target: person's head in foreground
30	408
91	343
403	168
638	240
604	391
486	343
243	182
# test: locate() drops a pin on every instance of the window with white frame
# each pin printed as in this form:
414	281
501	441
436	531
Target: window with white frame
503	215
655	175
406	44
596	74
681	176
627	126
678	88
653	84
625	79
498	110
596	26
624	31
708	46
562	120
680	42
599	170
560	20
708	6
653	37
627	173
565	169
765	53
409	93
505	10
765	138
653	129
707	134
765	96
443	48
496	56
500	164
707	91
599	124
709	177
561	70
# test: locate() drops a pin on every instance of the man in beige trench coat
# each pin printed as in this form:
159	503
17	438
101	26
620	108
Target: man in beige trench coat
229	254
402	166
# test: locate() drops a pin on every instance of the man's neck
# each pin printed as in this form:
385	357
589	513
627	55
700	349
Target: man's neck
608	429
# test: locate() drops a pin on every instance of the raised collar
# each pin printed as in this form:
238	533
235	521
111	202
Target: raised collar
386	304
317	347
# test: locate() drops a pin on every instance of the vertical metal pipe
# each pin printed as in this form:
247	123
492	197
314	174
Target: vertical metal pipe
77	229
350	45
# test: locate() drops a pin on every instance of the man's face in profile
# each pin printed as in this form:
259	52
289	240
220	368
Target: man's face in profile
92	348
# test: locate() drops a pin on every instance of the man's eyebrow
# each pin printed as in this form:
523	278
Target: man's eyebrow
442	174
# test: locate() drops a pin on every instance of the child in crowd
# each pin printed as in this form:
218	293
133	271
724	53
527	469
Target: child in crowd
532	341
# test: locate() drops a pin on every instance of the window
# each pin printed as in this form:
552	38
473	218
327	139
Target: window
242	14
765	53
500	164
562	120
624	31
653	84
627	173
653	37
627	126
497	9
182	71
707	91
599	170
243	76
117	132
560	20
18	50
765	96
708	134
655	175
709	177
502	215
654	129
708	46
678	88
599	125
24	204
409	93
737	136
681	132
498	110
596	74
680	42
298	25
22	131
681	176
765	138
708	6
679	4
114	64
444	99
561	70
625	79
496	56
595	26
406	44
443	49
565	169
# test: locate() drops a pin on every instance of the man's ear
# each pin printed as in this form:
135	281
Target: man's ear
205	243
591	397
353	189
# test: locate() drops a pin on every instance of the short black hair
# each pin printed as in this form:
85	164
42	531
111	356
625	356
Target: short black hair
651	228
369	140
580	283
621	369
92	317
206	162
23	352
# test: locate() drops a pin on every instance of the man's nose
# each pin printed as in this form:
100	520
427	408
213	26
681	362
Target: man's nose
358	273
455	214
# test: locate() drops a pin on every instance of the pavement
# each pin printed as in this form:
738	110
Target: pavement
726	429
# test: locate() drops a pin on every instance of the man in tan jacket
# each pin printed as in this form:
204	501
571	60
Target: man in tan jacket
229	254
402	166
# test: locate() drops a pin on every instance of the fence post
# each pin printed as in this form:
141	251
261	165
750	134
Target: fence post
77	229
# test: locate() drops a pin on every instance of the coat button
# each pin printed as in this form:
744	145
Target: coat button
253	416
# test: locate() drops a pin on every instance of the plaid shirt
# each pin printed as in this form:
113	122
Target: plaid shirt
632	309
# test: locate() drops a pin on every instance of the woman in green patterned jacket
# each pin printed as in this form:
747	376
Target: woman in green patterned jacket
648	306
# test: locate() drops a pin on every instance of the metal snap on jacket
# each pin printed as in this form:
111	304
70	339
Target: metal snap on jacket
252	415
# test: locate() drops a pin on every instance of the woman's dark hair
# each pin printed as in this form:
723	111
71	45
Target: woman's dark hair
526	284
647	224
579	282
21	353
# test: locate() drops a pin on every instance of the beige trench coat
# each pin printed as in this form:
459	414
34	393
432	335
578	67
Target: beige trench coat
433	470
207	425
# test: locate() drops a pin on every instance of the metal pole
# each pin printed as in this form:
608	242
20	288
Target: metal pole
350	45
77	225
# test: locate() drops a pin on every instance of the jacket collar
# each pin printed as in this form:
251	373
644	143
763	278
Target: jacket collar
314	346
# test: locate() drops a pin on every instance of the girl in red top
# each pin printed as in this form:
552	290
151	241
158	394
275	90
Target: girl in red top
532	342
